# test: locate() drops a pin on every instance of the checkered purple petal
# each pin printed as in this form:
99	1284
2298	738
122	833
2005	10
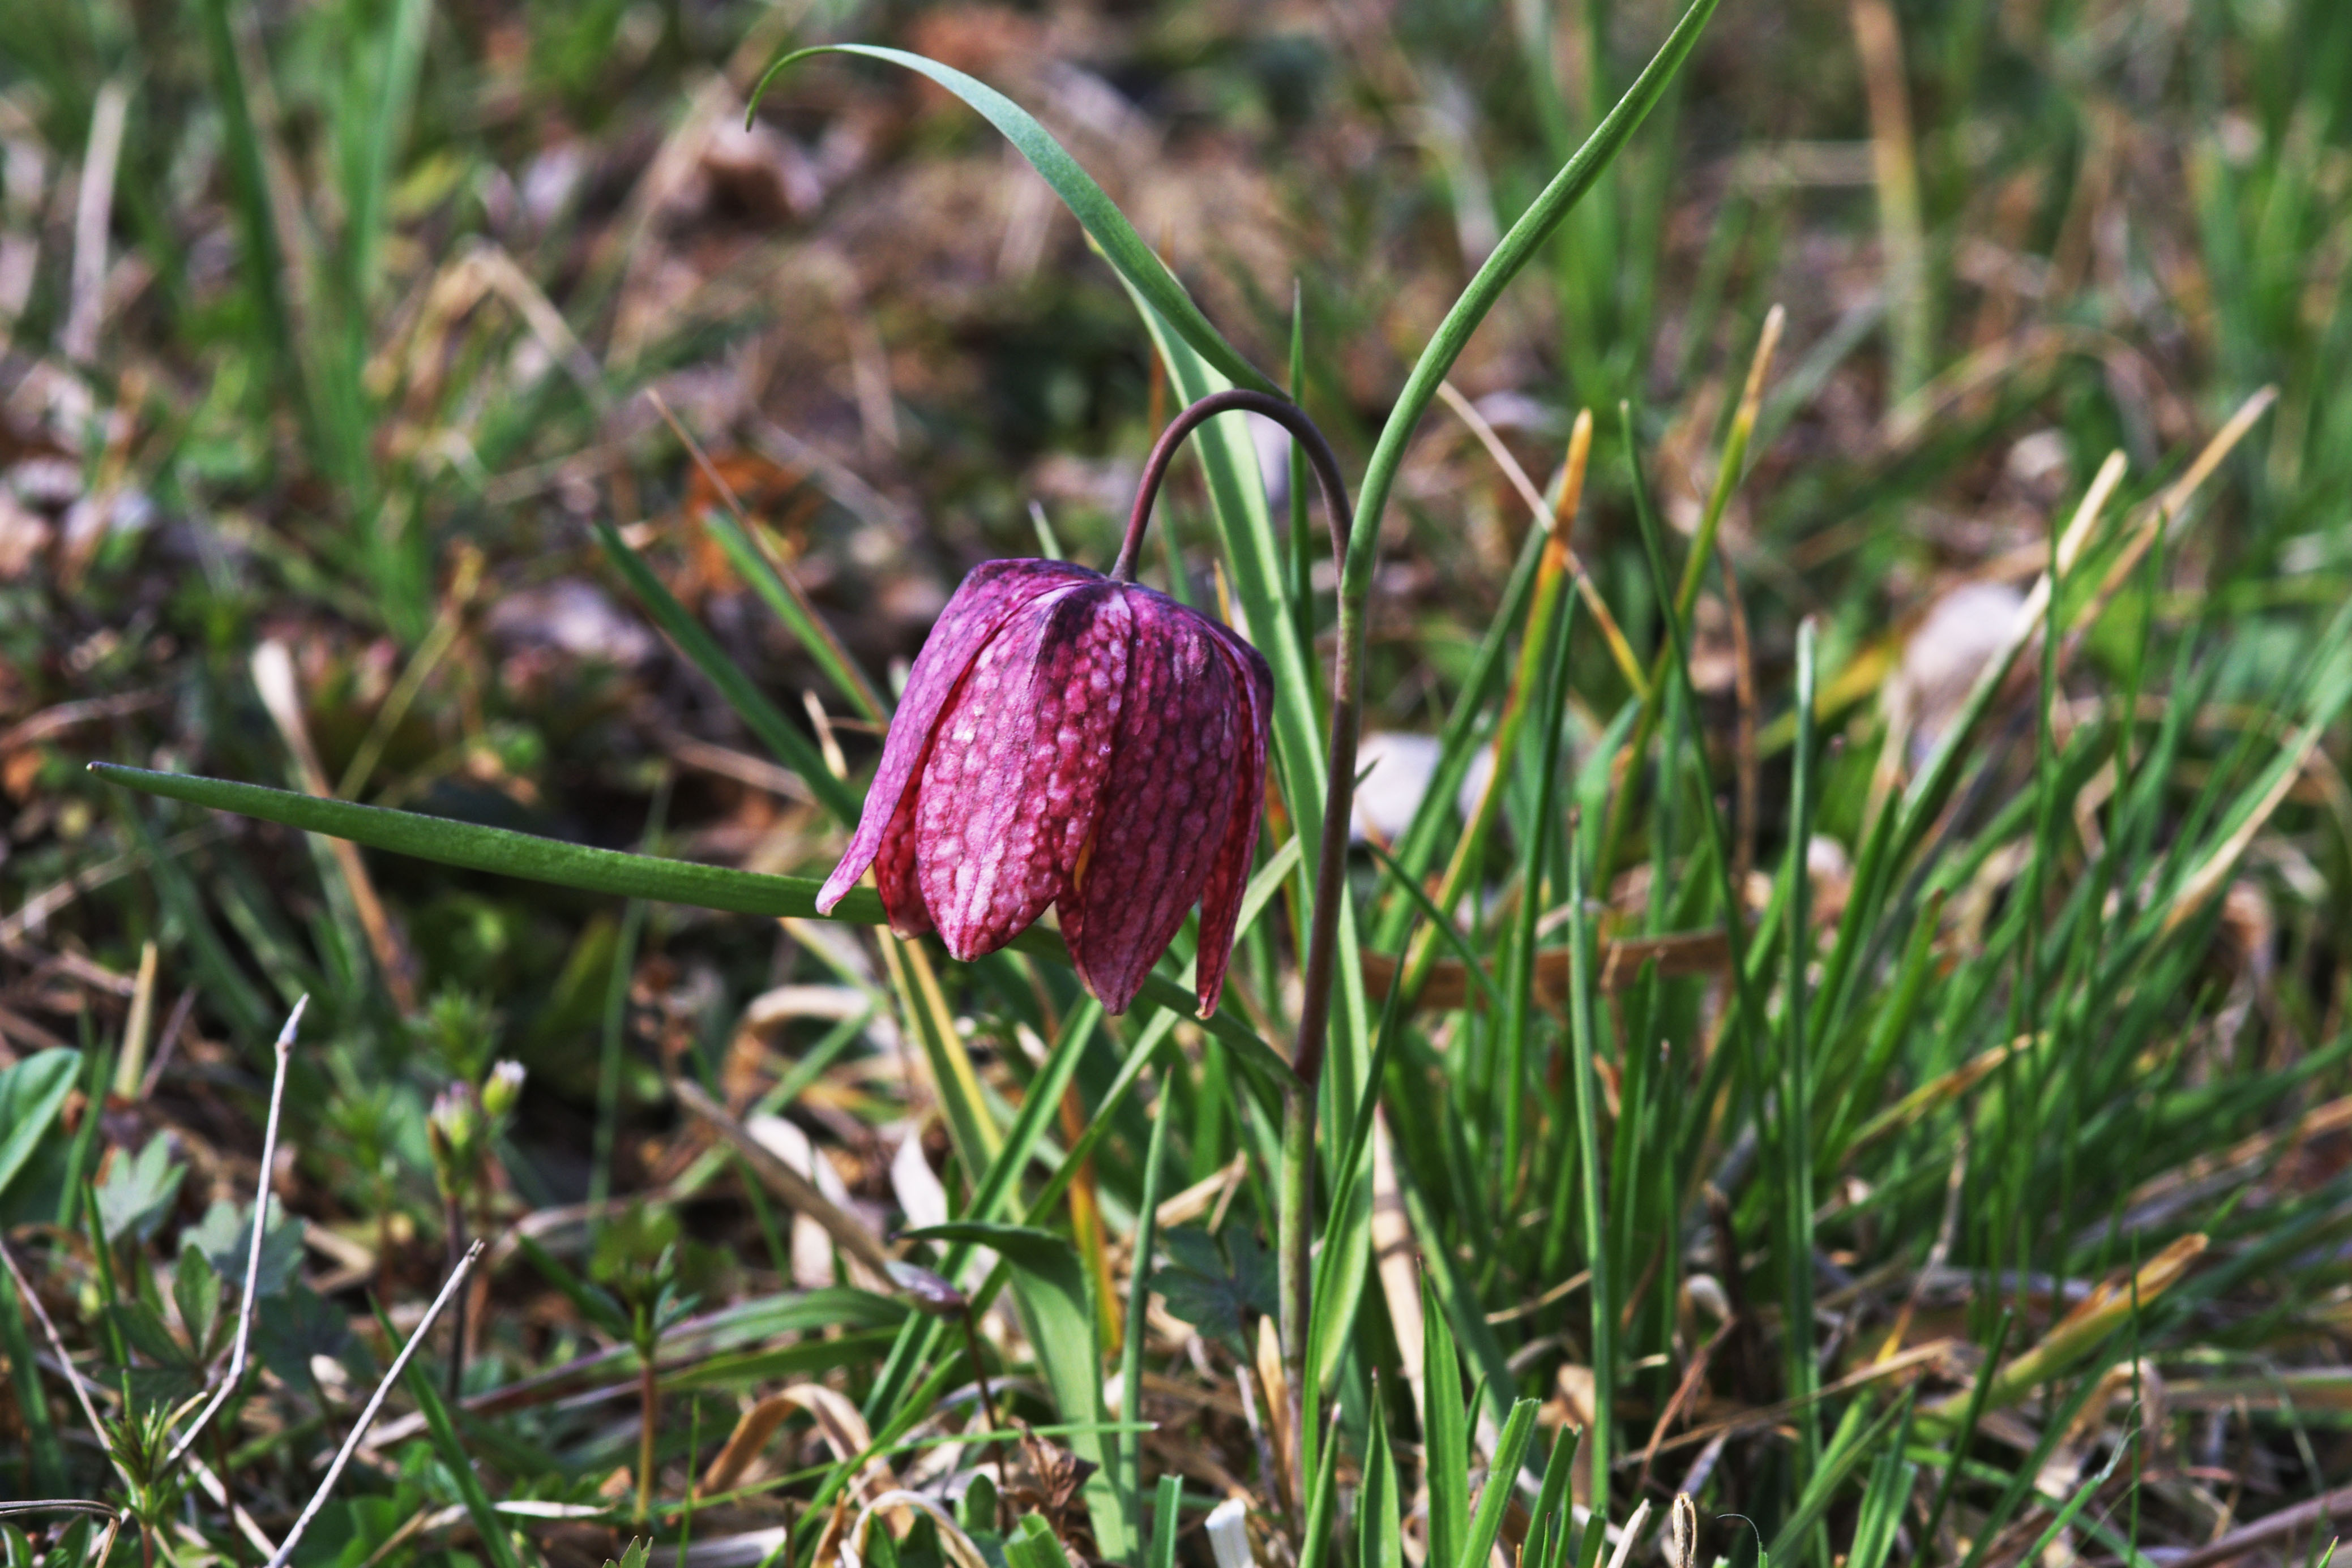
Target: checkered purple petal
1181	738
1011	787
1221	901
981	604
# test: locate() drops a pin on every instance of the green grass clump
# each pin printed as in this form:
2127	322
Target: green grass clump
1811	1075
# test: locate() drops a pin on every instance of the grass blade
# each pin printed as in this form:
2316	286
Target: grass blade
1502	1481
1166	1506
1444	1434
1130	1360
751	555
451	1448
1379	1540
1095	212
793	749
536	859
1517	1021
1503	263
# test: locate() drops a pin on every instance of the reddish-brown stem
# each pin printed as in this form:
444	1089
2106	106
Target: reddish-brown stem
1300	1097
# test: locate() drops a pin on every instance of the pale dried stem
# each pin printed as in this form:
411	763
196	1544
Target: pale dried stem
94	206
1568	492
284	1050
65	1362
375	1403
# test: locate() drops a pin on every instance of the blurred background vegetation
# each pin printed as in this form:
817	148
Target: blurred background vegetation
329	329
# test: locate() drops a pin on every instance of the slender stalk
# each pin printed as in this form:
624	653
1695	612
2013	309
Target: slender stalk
1130	1360
1294	1202
648	1422
454	1222
283	1049
449	1289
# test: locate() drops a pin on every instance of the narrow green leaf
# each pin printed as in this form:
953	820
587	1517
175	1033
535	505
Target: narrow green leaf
793	749
1750	1012
492	1530
1883	1502
1130	1363
1793	1245
399	55
1822	1489
1519	1020
48	1469
1095	212
1502	1481
1380	1539
1322	1503
259	244
1584	1040
1965	1435
526	855
1553	1498
32	1094
1516	249
747	1369
1418	900
1445	1432
1461	739
791	607
1166	1508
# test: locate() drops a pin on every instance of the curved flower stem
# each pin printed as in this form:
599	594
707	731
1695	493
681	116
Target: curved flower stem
1293	1220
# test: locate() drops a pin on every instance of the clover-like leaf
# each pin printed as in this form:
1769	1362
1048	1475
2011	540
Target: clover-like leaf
225	1236
292	1328
175	1373
1216	1289
196	1292
139	1191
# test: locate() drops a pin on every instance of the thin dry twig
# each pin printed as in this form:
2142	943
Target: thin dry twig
786	1183
58	1348
1547	518
2324	1512
449	1288
284	1050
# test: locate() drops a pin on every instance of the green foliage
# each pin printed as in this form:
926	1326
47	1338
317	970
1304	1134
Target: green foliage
225	1237
138	1192
1985	1019
1220	1284
32	1094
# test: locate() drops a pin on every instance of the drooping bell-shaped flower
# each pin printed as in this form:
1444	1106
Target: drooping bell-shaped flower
1074	740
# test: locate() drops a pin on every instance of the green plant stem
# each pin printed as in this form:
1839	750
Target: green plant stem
1553	699
1300	1093
648	1418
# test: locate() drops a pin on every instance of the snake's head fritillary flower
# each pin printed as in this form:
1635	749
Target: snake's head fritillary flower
1072	740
